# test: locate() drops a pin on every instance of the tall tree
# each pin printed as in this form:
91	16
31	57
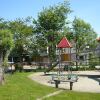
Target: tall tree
50	22
84	36
6	44
22	31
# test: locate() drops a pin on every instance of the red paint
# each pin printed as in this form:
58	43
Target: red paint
64	43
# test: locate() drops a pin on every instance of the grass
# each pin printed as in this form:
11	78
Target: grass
71	95
20	87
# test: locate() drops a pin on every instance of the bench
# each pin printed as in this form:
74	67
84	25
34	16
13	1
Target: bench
71	78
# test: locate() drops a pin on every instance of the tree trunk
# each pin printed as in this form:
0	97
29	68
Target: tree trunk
76	57
50	57
3	64
1	69
1	76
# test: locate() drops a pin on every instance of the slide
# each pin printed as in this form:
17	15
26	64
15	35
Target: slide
51	67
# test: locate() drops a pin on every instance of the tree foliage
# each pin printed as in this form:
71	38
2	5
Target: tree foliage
54	17
84	35
6	44
22	32
50	22
6	41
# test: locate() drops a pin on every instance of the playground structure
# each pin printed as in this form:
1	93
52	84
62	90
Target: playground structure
64	43
60	77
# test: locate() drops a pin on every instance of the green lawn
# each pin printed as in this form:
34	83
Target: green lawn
70	95
20	87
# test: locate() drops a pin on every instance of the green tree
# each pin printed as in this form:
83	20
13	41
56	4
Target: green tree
6	44
83	35
22	31
50	23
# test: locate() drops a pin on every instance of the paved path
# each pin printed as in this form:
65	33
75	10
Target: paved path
85	82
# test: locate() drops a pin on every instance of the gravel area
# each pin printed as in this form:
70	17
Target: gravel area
89	81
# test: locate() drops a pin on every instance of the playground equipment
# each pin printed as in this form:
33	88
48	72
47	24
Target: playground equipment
59	77
64	43
50	68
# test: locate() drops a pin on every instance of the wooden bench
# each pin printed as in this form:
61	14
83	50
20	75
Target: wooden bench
71	78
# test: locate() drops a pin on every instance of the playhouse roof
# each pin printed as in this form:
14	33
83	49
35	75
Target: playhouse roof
64	43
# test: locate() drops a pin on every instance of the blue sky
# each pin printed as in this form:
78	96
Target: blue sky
87	10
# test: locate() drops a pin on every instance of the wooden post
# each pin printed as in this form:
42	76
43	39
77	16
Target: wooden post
56	83
71	85
59	61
